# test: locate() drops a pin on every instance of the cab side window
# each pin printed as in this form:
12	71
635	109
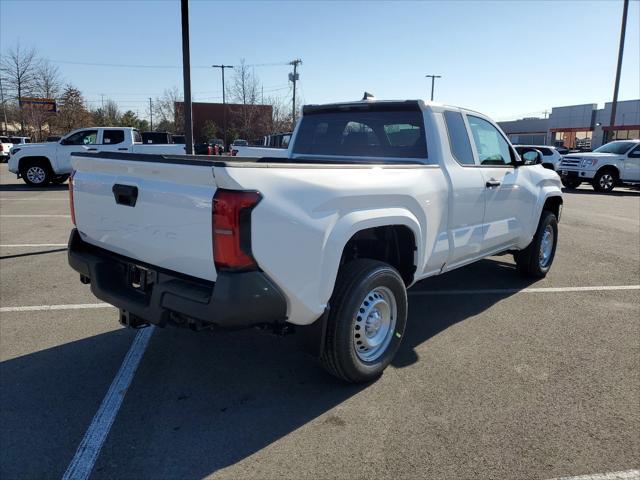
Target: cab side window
492	147
85	137
635	153
112	137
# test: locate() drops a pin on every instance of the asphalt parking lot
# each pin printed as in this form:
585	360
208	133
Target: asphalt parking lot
531	380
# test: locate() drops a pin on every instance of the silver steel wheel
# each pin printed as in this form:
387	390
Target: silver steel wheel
546	247
606	181
36	174
375	323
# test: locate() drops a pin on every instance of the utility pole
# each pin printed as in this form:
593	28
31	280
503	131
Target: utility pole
614	104
102	101
294	77
150	114
433	79
186	76
224	104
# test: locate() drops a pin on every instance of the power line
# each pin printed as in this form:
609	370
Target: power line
132	65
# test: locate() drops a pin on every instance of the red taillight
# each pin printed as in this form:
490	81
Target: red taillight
71	206
231	228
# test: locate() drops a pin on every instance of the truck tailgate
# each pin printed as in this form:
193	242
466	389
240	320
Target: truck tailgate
167	224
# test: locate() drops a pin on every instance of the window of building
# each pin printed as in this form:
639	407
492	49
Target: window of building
574	139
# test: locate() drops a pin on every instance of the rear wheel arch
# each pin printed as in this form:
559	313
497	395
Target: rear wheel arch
393	244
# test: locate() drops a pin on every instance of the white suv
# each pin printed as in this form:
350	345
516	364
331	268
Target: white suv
5	148
551	158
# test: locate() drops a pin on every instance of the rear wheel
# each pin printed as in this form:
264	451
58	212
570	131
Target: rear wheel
36	173
367	320
535	260
59	179
605	180
571	183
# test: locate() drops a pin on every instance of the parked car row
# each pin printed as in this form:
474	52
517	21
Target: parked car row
7	143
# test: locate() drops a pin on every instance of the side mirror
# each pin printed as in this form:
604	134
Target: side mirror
64	141
530	157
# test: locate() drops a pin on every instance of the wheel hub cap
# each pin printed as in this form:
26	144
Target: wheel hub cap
374	325
606	181
546	246
36	174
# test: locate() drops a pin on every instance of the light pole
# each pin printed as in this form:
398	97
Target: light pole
186	77
433	79
614	104
224	104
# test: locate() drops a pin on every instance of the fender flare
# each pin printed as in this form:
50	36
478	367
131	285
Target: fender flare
34	157
353	222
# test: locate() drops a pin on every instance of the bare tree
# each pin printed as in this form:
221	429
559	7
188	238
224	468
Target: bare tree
165	110
108	115
281	118
18	68
248	118
47	80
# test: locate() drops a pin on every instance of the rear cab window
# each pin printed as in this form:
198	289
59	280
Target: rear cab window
458	138
381	132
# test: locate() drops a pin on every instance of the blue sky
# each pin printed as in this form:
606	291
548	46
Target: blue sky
507	59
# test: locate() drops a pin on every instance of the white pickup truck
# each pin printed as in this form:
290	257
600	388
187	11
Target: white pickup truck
39	164
375	196
614	163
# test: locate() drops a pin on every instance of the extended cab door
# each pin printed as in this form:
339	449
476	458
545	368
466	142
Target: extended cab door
509	197
82	140
631	168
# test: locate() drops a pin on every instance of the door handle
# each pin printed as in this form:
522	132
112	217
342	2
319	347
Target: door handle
125	194
123	148
492	183
92	149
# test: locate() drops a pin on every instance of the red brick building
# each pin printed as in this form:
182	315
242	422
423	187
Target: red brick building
243	121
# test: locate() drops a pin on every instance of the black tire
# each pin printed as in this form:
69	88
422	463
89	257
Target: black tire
356	280
571	184
59	179
605	180
36	173
529	261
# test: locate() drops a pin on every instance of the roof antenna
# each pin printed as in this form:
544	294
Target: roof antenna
368	96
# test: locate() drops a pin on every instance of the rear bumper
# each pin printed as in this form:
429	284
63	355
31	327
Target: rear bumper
235	300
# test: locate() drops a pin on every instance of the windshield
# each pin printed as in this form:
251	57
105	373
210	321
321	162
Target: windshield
616	147
363	133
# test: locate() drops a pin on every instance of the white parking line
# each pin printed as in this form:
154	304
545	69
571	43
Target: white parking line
33	245
39	308
626	475
487	291
91	444
35	216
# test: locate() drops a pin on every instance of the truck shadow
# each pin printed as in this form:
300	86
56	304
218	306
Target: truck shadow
630	192
200	402
16	187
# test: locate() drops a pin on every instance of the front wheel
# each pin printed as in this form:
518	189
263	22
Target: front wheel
36	173
535	260
367	320
604	181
